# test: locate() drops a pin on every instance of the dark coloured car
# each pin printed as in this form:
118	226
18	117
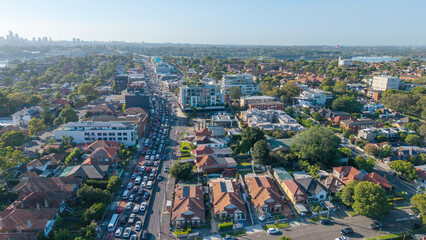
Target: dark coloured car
141	191
346	231
145	235
123	219
325	222
146	196
415	226
376	225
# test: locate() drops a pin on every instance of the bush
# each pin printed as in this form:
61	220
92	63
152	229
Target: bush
179	232
225	225
97	183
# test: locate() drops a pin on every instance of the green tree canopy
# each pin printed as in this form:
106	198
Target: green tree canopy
68	115
253	134
347	194
12	138
370	200
363	163
405	168
412	139
89	195
235	92
347	104
317	145
181	171
114	183
36	126
419	205
260	152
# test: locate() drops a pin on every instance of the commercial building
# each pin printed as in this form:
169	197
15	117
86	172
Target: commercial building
370	134
245	101
383	83
244	81
270	120
120	82
137	98
354	125
223	119
202	97
84	132
344	62
267	105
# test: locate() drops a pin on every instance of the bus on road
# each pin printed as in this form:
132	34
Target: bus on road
113	223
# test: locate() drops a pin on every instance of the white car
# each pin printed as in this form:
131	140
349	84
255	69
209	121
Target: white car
132	197
129	205
272	231
136	208
342	238
127	232
118	232
130	185
138	226
155	164
143	206
143	184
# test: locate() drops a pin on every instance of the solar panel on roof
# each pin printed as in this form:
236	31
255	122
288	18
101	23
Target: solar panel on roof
185	191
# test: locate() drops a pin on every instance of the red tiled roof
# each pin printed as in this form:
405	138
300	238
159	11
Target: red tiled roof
13	218
226	193
203	132
295	190
203	150
188	199
377	179
349	174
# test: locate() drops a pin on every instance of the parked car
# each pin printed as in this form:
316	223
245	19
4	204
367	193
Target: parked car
123	219
159	177
146	196
143	206
325	222
134	237
264	217
342	238
129	205
132	218
127	232
273	231
376	225
166	168
138	226
119	209
132	197
130	185
346	231
228	237
155	164
118	231
136	208
140	192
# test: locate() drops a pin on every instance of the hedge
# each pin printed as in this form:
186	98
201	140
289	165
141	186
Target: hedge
225	225
102	184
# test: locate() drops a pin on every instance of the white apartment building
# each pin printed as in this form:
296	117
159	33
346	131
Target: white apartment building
383	83
271	120
245	101
22	117
311	97
244	81
344	62
371	108
85	132
201	96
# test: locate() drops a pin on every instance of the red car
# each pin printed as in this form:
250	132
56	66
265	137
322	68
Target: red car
148	169
119	209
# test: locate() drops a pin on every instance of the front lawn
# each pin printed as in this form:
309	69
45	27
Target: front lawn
279	225
237	233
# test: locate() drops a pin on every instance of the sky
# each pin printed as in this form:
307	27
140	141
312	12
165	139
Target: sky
245	22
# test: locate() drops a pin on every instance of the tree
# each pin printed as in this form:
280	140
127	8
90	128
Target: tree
370	200
73	157
347	104
89	195
235	92
381	138
216	75
181	171
12	138
363	163
419	205
36	126
317	145
290	111
371	149
279	134
285	238
317	117
95	212
348	193
340	87
10	158
61	234
405	168
88	91
290	90
244	146
260	152
88	232
412	139
68	115
114	183
176	91
253	134
47	117
422	130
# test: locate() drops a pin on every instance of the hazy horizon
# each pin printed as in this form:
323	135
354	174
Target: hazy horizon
247	23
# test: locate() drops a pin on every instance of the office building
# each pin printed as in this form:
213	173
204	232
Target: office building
245	101
120	82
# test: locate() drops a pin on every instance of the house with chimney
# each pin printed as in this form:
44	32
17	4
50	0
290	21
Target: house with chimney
315	191
210	164
188	206
103	156
228	201
265	195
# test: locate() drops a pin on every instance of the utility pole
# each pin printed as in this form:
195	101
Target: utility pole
329	202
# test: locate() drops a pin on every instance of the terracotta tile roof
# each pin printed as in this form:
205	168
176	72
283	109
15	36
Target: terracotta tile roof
188	203
29	174
203	150
226	193
377	179
18	236
13	218
61	101
203	132
295	189
346	174
101	109
422	173
51	200
53	184
262	188
38	162
98	144
206	161
55	158
104	152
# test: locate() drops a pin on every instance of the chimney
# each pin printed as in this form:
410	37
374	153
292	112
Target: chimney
1	223
38	206
29	223
14	205
19	228
46	204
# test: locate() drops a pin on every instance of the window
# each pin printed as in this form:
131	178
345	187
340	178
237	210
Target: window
87	139
119	139
111	134
105	139
125	139
124	134
99	134
105	134
99	138
119	134
111	139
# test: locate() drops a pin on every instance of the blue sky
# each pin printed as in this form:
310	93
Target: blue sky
267	22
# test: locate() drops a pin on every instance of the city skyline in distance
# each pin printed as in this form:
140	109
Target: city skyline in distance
364	23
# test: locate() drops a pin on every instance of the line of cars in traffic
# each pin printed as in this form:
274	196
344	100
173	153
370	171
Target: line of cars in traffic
138	190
